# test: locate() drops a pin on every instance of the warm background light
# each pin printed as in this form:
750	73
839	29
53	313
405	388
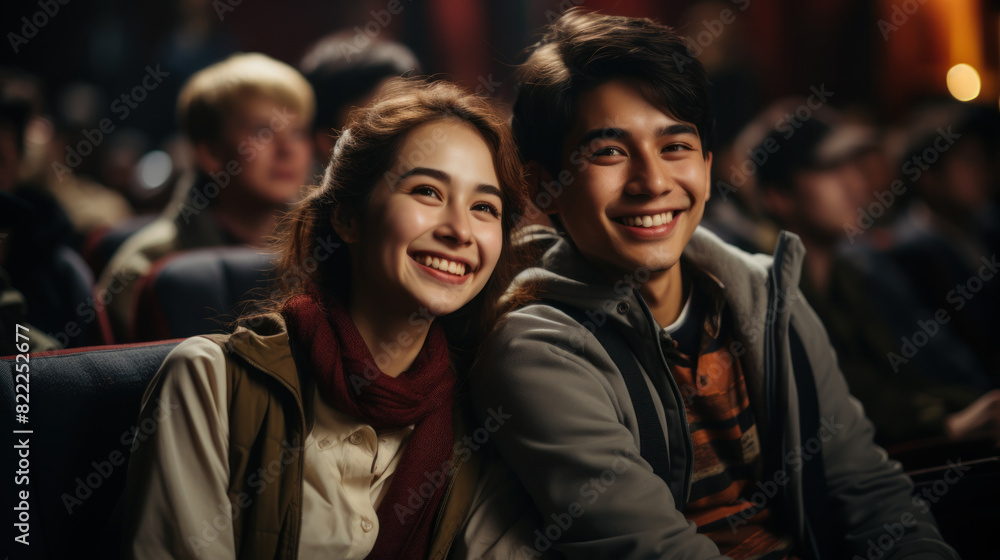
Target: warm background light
963	82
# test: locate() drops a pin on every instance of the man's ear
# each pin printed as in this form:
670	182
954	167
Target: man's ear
345	223
206	159
536	174
708	174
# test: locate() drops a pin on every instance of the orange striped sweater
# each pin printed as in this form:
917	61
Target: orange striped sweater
724	501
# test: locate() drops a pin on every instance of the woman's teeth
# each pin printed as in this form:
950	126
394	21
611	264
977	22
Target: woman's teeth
451	267
648	221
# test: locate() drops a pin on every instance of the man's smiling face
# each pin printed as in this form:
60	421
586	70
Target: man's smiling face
639	185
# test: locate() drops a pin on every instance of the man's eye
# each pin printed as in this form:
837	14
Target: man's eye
676	148
609	151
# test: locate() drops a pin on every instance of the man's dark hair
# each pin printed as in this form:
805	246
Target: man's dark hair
582	50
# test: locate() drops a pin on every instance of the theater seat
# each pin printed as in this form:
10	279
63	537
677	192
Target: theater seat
960	481
197	292
101	243
964	496
83	408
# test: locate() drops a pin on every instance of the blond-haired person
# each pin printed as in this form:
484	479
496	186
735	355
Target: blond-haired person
247	121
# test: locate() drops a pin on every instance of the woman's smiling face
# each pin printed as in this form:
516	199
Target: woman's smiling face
431	234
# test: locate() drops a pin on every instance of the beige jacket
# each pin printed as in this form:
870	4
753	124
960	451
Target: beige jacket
276	486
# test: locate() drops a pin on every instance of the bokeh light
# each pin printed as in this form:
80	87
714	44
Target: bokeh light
963	82
154	169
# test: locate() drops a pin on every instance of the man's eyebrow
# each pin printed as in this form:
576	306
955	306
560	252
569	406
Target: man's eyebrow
675	129
615	133
428	171
603	133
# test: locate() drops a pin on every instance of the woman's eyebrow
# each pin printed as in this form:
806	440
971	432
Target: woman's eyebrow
483	188
489	189
430	172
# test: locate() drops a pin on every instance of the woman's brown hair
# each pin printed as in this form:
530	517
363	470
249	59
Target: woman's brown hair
310	254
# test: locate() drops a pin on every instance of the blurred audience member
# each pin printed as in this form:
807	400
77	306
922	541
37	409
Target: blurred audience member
73	165
810	185
49	157
734	211
247	120
946	240
42	280
344	76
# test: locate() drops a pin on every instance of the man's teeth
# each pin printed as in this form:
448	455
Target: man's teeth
648	221
451	267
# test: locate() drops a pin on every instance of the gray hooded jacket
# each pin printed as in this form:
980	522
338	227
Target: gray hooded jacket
572	437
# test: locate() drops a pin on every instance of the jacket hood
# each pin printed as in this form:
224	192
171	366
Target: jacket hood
563	274
750	282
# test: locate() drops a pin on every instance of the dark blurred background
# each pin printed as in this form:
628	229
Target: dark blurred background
878	58
868	127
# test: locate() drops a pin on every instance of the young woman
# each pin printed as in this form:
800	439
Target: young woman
326	428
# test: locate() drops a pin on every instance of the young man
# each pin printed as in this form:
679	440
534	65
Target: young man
247	119
701	439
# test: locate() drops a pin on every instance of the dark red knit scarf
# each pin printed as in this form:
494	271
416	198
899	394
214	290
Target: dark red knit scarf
329	346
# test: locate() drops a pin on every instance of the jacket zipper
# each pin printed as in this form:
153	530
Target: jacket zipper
771	382
770	366
688	444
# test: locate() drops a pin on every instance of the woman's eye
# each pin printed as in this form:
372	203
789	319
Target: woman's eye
425	191
487	207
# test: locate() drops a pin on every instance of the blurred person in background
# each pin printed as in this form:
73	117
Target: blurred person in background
75	153
811	185
345	75
734	212
945	240
247	119
42	280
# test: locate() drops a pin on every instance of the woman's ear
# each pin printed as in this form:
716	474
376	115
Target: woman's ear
345	224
